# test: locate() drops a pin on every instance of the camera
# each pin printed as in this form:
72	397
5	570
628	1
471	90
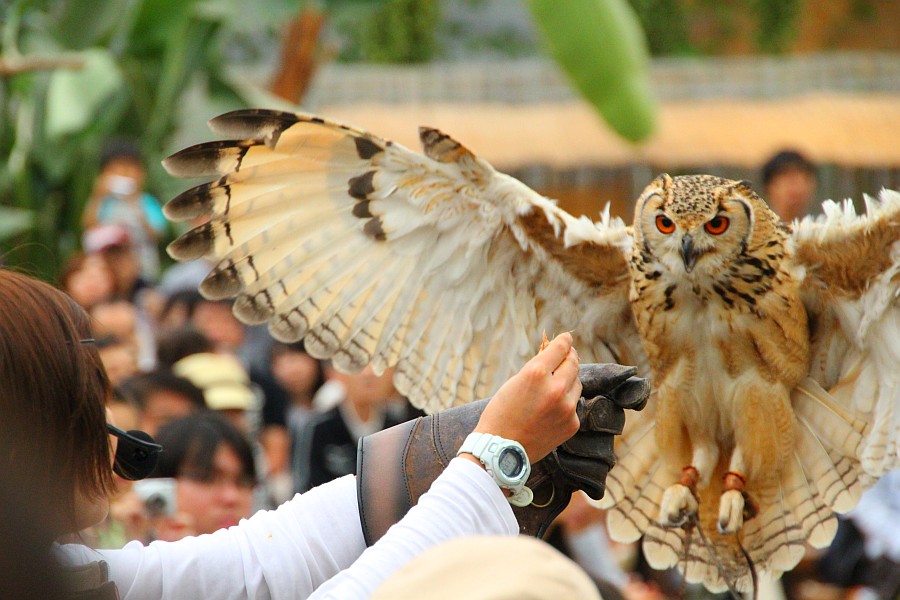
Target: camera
119	185
158	495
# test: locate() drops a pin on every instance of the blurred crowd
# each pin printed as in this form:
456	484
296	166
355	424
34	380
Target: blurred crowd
246	421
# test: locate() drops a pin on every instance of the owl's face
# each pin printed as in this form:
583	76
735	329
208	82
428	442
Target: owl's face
695	224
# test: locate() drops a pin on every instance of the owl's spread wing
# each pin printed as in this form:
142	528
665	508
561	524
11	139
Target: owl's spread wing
435	264
852	280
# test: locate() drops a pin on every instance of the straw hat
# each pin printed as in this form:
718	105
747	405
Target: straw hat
490	568
222	378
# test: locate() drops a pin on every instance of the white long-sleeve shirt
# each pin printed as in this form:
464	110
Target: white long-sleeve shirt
311	545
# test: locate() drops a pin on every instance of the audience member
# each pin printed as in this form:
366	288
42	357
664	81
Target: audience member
214	471
160	397
87	279
177	308
113	244
326	447
119	198
122	320
214	319
299	376
587	543
789	184
119	358
174	344
865	554
185	276
269	427
226	386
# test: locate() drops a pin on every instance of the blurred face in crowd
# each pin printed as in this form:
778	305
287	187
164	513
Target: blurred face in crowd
120	361
124	169
90	282
163	406
214	469
216	321
220	499
125	266
296	371
790	193
117	319
366	388
237	417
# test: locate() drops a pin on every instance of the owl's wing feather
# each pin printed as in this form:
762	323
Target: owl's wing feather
851	285
435	264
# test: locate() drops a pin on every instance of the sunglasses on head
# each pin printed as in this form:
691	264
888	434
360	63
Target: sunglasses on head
136	453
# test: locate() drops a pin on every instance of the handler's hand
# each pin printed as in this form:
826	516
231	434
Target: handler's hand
536	407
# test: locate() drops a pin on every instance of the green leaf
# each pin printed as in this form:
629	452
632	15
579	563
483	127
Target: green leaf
600	45
155	23
86	23
14	221
75	96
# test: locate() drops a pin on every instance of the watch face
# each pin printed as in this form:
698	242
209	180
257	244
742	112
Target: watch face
511	462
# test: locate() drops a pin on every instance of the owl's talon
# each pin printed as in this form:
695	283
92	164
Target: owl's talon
678	504
731	511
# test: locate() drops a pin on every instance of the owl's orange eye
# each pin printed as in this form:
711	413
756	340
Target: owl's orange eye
664	224
717	225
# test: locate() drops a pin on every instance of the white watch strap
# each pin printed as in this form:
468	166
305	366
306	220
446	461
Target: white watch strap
476	444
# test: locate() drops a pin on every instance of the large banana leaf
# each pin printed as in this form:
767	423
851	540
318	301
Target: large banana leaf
601	46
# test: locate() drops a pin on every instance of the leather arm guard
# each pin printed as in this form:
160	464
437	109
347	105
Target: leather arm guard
396	466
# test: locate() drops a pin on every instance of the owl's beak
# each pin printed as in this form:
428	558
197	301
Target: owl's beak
689	254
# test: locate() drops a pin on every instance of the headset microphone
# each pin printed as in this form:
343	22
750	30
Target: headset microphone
136	453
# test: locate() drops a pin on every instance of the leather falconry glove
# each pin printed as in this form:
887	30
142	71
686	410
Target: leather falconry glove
396	466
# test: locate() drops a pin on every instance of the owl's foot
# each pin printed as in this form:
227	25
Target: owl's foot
679	501
735	505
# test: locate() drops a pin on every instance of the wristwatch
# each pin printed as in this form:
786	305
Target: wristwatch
505	461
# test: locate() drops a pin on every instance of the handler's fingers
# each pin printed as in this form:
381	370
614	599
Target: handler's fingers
567	370
573	390
556	352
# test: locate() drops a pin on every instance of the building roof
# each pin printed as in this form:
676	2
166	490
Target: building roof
860	130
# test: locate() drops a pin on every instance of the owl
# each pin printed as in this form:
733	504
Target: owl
772	347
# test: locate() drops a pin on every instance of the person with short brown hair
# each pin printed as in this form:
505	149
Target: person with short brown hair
53	389
789	183
53	392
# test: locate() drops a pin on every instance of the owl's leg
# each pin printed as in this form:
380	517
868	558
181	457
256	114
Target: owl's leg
679	501
682	445
763	432
735	505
